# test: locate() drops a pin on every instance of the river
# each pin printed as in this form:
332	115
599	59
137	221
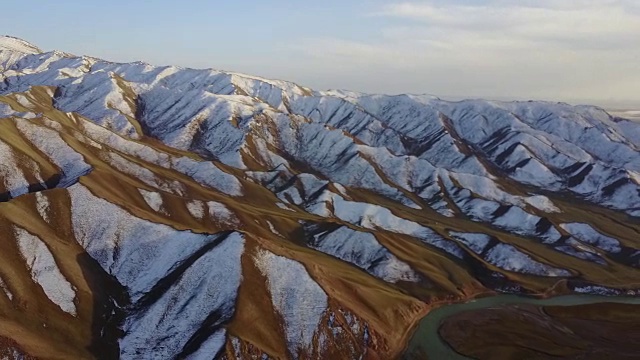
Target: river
427	340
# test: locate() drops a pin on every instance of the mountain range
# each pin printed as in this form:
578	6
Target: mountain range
163	212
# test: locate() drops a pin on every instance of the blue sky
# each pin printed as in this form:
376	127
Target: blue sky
566	50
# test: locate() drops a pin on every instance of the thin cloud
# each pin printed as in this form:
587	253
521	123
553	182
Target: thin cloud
564	50
549	21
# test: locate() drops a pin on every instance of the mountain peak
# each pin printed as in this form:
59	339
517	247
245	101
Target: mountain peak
12	43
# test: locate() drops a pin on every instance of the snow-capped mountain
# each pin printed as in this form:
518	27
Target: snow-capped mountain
162	212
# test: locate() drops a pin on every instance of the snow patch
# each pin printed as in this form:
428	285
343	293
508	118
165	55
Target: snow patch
153	199
42	204
296	296
363	250
220	212
476	242
543	203
273	229
57	150
10	172
45	271
196	208
509	258
5	289
373	216
283	206
588	234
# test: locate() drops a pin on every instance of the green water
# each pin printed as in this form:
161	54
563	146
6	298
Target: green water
426	339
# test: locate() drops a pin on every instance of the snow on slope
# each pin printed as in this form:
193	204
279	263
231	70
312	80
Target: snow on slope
204	172
476	242
153	199
43	206
363	250
59	152
137	252
45	271
509	258
13	49
299	299
589	235
5	289
375	217
142	256
164	328
506	256
106	103
17	45
10	173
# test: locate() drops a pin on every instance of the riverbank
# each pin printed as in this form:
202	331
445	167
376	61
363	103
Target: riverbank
427	342
588	332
